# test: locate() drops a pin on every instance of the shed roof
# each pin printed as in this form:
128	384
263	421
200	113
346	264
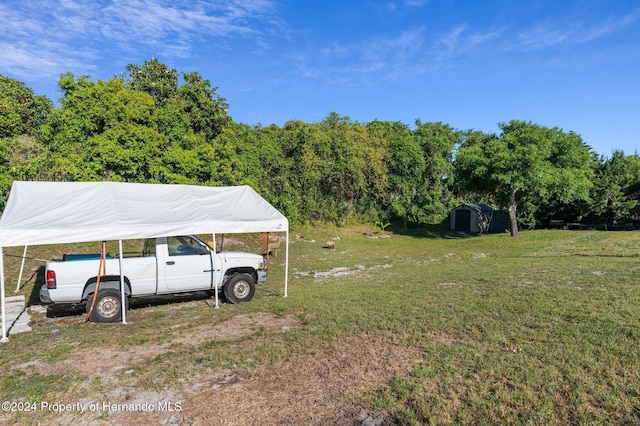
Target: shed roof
476	207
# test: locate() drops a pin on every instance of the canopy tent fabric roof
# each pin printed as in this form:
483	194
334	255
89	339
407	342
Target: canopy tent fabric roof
65	212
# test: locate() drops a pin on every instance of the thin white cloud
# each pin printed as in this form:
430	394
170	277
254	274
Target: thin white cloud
609	26
383	60
16	57
542	36
414	52
450	41
416	3
550	34
364	62
149	18
399	5
45	38
458	41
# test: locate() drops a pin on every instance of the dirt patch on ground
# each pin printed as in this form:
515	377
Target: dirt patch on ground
238	327
316	389
324	387
111	360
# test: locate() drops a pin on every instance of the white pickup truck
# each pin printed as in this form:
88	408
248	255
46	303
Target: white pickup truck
167	265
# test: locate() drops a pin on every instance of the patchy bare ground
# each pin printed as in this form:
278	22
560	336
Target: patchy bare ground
109	360
319	389
313	389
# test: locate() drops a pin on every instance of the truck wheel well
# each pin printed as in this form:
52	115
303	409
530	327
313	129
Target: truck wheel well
109	281
234	271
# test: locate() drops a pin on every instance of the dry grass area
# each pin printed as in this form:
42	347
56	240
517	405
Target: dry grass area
322	387
319	389
108	360
416	328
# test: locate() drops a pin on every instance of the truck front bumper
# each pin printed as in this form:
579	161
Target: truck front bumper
44	294
262	276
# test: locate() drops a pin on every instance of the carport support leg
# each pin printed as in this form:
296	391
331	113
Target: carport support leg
215	274
24	256
123	295
4	308
286	266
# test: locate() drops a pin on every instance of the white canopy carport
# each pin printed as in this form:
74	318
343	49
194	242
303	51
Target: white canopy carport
66	212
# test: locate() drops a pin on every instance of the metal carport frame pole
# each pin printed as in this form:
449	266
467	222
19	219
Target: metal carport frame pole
286	266
213	262
5	338
123	295
24	256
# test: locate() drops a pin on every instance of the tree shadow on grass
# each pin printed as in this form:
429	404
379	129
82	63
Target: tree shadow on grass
431	231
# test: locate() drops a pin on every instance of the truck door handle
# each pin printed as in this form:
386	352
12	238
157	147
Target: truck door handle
171	262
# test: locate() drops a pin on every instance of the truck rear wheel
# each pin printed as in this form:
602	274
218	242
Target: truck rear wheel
239	288
108	306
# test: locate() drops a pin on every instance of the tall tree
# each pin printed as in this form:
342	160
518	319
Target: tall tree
206	110
616	191
406	168
307	148
336	170
155	79
195	99
528	163
437	141
21	112
103	130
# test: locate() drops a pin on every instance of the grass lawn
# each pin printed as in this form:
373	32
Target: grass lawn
540	329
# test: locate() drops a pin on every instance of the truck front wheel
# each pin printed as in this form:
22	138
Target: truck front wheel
108	306
239	288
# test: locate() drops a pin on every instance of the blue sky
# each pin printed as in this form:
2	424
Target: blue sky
471	64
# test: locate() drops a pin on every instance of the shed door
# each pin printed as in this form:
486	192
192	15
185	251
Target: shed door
463	220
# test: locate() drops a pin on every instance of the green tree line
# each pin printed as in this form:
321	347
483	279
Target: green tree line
157	125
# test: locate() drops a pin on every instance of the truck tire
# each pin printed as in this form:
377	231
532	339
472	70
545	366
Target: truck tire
239	288
108	306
